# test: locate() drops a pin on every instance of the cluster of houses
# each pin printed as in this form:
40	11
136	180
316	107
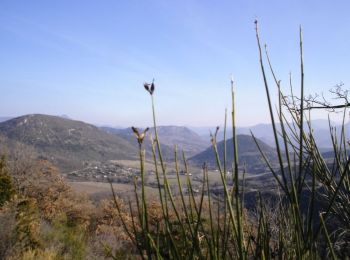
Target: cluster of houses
104	172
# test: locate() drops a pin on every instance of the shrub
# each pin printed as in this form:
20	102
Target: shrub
6	186
20	227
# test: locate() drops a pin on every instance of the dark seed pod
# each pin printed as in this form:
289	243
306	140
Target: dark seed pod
136	132
216	131
139	136
142	136
152	88
146	86
149	87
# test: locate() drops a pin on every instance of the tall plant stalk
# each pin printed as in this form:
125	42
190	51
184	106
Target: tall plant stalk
203	226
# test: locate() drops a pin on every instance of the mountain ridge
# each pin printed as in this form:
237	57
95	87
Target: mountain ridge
67	143
248	154
185	139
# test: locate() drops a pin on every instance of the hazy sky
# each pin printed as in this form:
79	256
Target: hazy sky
89	59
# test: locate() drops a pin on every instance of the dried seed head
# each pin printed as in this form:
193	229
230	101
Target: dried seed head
152	88
216	131
136	132
146	86
149	87
212	139
142	136
139	136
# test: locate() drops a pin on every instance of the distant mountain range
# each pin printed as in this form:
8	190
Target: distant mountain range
72	144
185	139
265	133
320	131
248	154
171	135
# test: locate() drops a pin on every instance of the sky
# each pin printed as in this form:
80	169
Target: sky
89	59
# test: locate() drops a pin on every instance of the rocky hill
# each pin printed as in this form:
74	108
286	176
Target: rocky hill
67	143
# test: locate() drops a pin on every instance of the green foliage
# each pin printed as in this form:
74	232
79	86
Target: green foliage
6	186
27	224
40	254
46	219
69	241
7	231
19	227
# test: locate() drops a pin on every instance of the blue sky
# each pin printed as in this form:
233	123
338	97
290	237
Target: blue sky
89	59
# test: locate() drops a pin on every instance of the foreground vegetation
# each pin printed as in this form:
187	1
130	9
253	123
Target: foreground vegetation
41	217
307	220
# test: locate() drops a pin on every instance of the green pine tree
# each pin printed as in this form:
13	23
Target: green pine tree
6	186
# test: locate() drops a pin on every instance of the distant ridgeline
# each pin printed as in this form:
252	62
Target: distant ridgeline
249	155
71	144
